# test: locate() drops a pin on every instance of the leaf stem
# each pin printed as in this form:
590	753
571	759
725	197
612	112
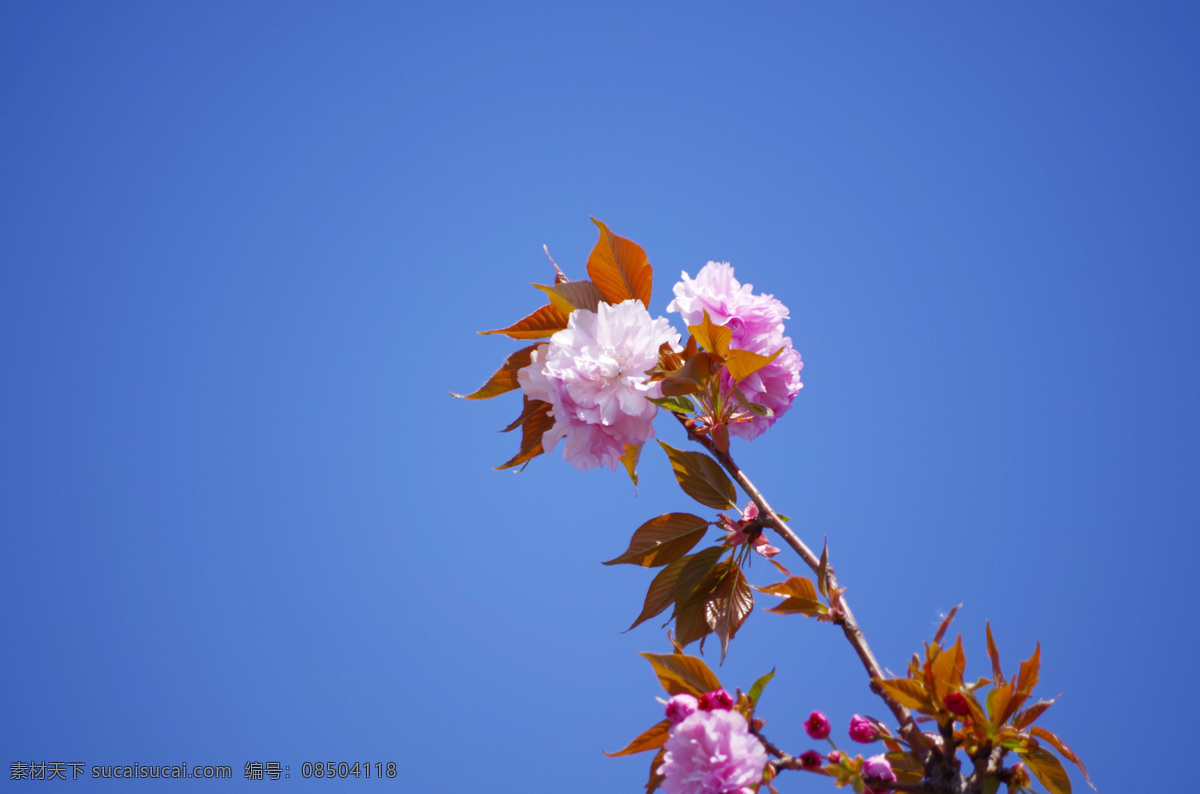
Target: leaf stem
854	634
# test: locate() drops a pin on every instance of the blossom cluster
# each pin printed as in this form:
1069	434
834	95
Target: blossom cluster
756	322
593	373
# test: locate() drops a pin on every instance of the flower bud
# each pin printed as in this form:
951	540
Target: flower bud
956	703
810	759
834	757
680	707
717	699
862	729
817	725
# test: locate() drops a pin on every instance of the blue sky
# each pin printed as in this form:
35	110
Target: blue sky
246	249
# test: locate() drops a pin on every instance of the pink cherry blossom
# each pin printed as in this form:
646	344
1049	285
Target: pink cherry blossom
593	374
756	323
748	530
878	766
712	752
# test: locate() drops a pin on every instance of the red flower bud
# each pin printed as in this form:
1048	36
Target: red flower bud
817	725
811	760
862	729
834	757
717	699
956	703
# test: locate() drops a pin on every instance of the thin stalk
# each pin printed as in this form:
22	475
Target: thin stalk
854	634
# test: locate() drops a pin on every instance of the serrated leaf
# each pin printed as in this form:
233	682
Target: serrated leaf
697	585
679	387
998	703
948	669
619	268
570	295
794	586
1027	677
945	624
757	689
701	478
1064	751
692	377
528	408
800	605
630	459
743	363
652	738
712	337
699	566
729	606
663	540
676	403
505	379
678	672
544	322
997	670
752	407
1028	716
656	779
907	692
1047	769
662	592
532	429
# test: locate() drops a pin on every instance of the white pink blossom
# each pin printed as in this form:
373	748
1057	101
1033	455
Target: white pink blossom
756	323
712	752
878	766
593	374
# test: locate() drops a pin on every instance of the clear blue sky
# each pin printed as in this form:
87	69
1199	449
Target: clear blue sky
244	249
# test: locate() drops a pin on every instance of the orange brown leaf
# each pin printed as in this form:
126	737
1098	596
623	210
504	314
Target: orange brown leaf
663	540
678	672
544	322
701	478
908	692
619	268
1063	750
505	379
652	738
536	423
567	296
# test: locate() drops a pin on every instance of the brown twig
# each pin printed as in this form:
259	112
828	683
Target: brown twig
908	726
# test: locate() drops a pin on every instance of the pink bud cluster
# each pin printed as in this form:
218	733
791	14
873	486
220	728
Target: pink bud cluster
862	730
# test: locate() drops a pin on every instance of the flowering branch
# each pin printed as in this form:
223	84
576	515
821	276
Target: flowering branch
597	371
844	616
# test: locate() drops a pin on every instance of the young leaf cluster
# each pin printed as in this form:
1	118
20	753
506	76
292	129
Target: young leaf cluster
988	730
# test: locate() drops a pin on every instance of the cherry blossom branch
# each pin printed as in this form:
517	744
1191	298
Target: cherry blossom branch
843	616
